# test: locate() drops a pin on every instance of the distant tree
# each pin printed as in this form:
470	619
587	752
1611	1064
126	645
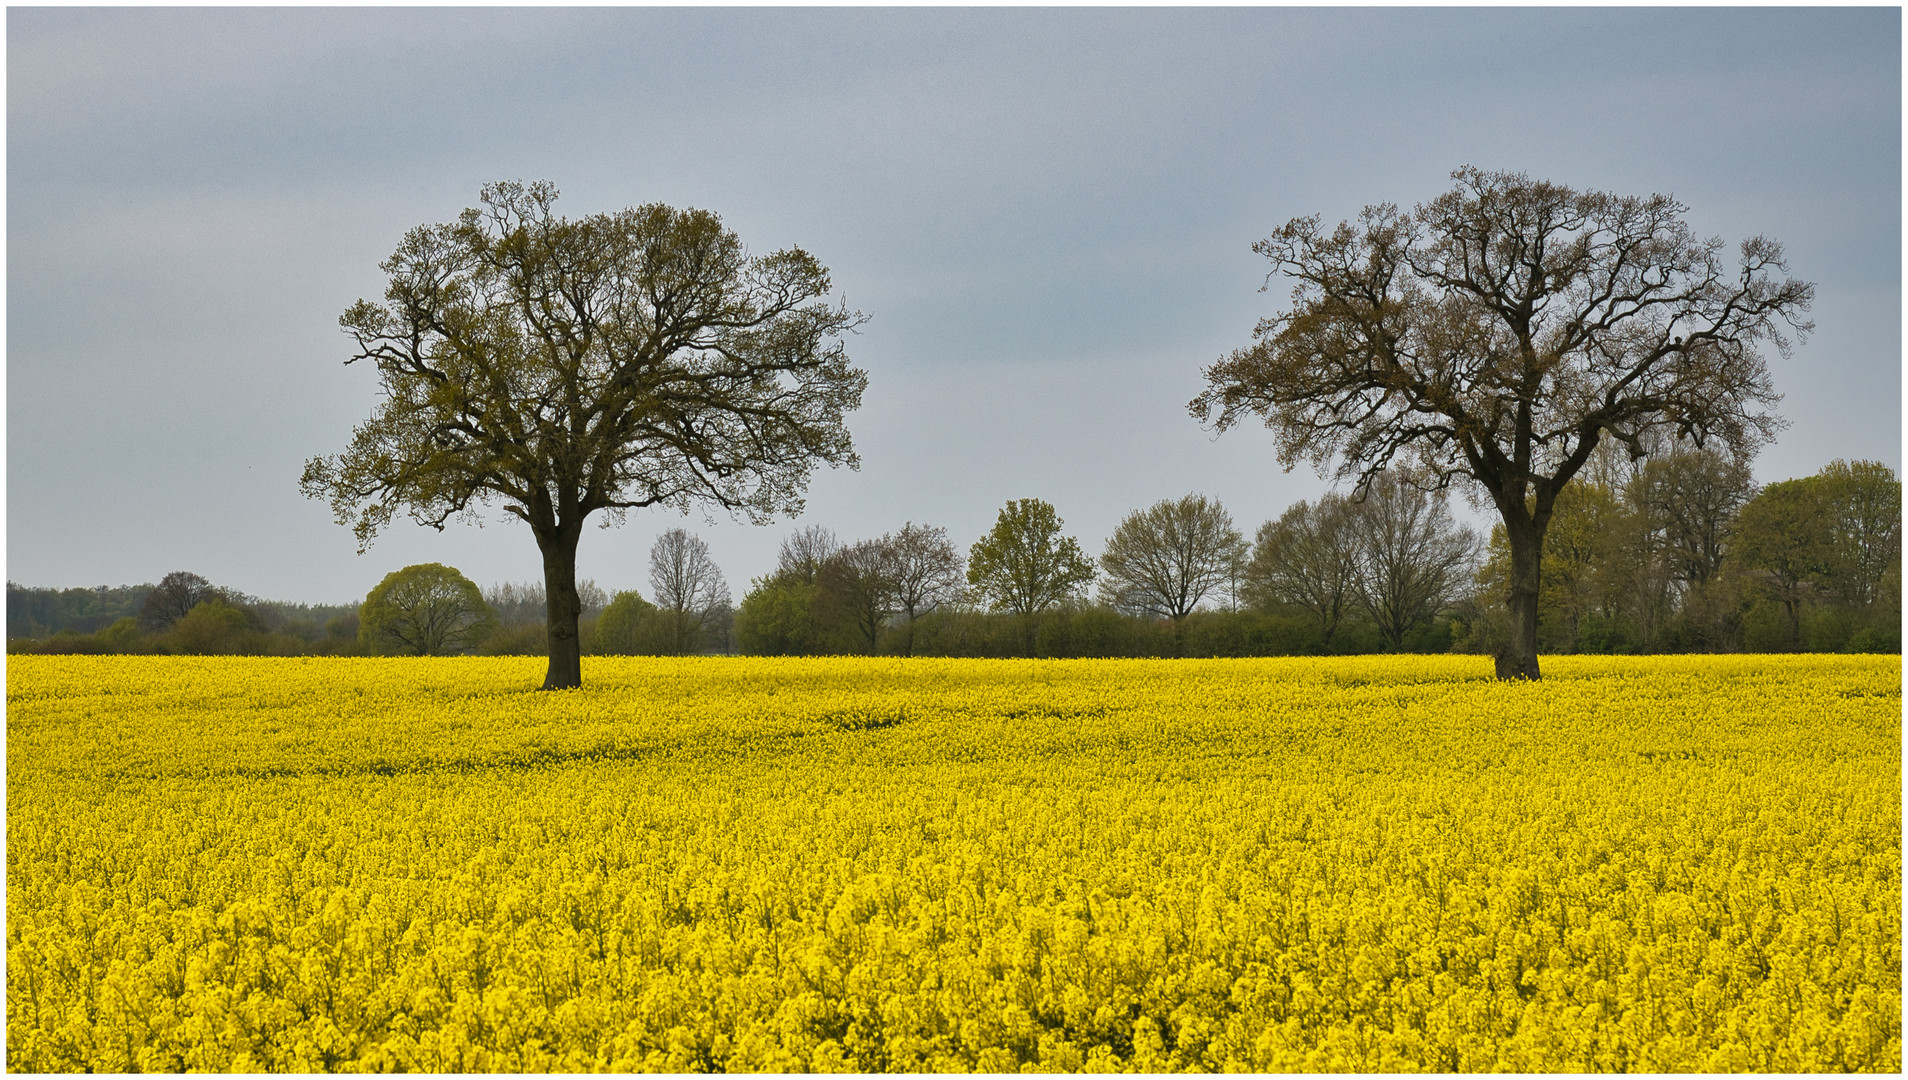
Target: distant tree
522	603
176	594
1163	560
856	588
1412	557
689	590
926	569
1678	508
804	551
1497	334
1782	543
342	627
625	360
35	612
1025	566
1308	559
1862	500
1694	494
424	610
777	617
627	626
1584	558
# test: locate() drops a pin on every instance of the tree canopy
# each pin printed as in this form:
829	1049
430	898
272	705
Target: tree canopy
424	610
1024	565
623	360
1165	559
1497	334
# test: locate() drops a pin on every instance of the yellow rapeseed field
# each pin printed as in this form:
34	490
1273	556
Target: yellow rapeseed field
1348	864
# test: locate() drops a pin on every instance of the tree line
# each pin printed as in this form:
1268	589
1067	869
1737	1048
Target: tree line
1673	552
422	610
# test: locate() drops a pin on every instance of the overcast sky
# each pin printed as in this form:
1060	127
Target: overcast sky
1048	214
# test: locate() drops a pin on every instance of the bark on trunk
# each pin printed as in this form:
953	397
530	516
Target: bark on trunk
562	608
1517	657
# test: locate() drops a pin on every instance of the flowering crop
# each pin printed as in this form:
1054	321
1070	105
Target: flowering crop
1656	864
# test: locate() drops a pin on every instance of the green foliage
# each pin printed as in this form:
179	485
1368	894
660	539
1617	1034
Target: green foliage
119	637
424	610
777	617
629	626
1025	566
210	628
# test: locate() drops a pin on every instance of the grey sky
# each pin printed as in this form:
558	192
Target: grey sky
1047	213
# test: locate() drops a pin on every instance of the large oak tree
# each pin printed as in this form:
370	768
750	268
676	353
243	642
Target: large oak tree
622	360
1497	334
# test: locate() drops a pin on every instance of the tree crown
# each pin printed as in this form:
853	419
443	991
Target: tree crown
1501	330
1023	563
621	360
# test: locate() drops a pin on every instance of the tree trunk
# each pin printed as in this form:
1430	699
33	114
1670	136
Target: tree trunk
1517	657
562	607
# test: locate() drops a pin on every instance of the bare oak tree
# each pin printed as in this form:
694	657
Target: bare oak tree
640	358
856	586
1497	334
926	569
690	593
1411	556
1306	558
1165	559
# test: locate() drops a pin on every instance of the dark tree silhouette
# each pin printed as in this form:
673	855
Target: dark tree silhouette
173	598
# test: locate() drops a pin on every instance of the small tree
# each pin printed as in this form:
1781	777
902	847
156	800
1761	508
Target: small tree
1164	560
627	626
424	610
926	570
690	593
1497	335
776	617
1025	566
1307	559
641	358
1863	503
213	626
